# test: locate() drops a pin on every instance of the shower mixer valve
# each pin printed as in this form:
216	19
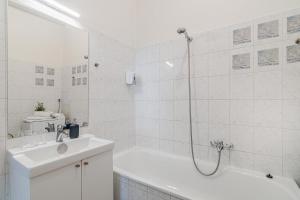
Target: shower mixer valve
219	145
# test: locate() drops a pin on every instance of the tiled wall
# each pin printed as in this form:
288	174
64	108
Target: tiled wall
128	189
111	100
28	84
75	92
2	96
245	90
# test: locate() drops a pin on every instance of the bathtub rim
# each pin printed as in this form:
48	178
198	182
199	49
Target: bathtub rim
282	182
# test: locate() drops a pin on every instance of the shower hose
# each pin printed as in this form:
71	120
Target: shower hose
219	150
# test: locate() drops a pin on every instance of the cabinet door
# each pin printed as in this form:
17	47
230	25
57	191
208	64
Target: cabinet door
97	177
61	184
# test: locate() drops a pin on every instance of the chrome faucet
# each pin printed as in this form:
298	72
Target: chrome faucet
60	133
220	146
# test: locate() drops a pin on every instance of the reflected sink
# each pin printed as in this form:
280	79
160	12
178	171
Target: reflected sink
38	160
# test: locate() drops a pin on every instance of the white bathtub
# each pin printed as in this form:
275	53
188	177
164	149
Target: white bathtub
176	176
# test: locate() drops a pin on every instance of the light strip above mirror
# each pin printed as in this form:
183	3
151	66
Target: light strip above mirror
39	8
61	8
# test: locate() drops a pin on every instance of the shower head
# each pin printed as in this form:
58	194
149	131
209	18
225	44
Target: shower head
183	31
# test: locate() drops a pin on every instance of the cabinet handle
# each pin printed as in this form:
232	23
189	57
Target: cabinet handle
86	163
77	166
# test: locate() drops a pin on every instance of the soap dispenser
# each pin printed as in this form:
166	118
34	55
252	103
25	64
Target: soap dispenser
74	130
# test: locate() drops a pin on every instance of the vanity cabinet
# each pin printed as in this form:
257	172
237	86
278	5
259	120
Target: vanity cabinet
97	178
61	184
87	179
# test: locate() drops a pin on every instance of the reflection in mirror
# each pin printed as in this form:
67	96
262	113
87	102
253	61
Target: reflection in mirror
47	74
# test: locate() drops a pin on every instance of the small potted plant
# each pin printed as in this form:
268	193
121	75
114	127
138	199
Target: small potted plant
39	109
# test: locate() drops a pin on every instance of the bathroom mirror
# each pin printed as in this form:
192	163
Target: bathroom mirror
48	74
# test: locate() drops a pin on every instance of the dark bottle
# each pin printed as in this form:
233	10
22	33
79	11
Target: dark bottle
74	131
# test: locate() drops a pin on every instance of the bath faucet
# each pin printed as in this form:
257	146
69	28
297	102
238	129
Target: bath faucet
60	133
220	146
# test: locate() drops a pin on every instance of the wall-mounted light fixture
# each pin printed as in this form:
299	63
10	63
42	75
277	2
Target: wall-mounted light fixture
44	9
61	8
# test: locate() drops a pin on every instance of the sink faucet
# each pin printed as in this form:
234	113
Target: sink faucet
60	133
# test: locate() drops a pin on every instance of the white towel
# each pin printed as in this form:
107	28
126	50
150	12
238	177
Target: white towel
42	113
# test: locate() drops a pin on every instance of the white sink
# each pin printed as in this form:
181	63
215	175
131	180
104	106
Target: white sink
36	161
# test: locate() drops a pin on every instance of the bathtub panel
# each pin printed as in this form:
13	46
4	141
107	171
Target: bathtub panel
128	189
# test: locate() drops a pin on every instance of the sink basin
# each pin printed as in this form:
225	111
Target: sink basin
38	160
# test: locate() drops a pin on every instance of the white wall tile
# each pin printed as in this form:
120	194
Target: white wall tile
268	164
219	111
291	114
242	159
290	83
213	157
147	127
165	51
181	89
181	110
241	112
219	39
201	44
166	146
291	168
201	152
267	113
180	68
200	111
181	131
291	139
200	88
200	65
148	72
182	149
219	132
201	133
167	70
267	85
166	110
166	129
242	86
219	87
242	137
219	63
166	90
268	141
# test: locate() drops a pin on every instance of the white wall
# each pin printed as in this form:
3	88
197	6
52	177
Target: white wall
75	97
3	61
114	18
158	20
111	100
34	39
